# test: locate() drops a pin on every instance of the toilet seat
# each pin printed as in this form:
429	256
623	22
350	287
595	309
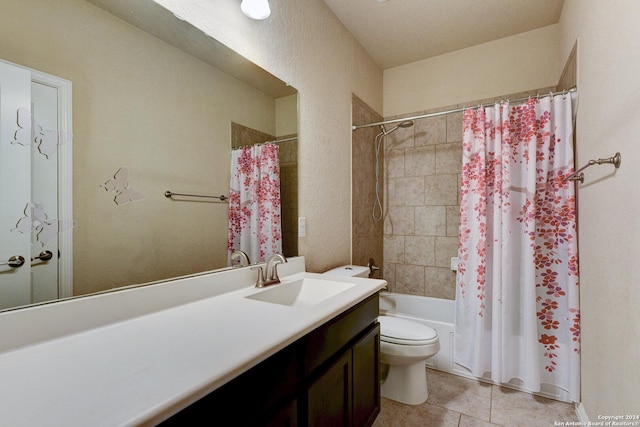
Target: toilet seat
405	332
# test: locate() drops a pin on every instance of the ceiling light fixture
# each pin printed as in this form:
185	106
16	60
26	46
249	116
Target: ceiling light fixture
256	9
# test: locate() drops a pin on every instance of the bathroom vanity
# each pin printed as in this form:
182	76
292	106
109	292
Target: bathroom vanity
329	377
211	348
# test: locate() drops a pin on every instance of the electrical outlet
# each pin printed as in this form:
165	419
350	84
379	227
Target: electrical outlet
302	226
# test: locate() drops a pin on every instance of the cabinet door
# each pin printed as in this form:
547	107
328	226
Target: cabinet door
330	396
286	416
366	378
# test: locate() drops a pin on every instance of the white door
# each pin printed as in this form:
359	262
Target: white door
35	187
44	194
15	187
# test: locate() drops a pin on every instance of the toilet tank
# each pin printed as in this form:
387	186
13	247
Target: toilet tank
350	270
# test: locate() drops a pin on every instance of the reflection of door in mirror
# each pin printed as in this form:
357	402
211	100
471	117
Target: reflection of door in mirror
35	198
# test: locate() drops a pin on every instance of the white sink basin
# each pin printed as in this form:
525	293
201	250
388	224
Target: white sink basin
301	293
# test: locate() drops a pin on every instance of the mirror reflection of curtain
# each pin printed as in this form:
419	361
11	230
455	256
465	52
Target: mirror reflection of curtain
254	202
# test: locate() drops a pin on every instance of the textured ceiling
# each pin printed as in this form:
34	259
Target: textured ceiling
398	32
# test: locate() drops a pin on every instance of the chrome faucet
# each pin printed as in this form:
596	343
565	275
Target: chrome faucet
272	270
271	276
242	256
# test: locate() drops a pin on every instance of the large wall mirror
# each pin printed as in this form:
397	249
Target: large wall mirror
156	105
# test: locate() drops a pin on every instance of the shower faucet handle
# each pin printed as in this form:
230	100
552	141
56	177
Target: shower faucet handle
372	267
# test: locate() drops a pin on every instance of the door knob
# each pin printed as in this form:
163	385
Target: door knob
44	256
15	261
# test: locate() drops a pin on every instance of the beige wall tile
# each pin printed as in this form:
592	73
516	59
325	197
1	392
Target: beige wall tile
406	191
422	184
449	158
399	221
420	161
393	249
366	233
453	220
401	138
441	190
410	279
393	165
419	250
431	131
454	127
430	220
446	247
440	283
390	276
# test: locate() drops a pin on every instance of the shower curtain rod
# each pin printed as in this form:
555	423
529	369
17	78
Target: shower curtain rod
275	141
457	110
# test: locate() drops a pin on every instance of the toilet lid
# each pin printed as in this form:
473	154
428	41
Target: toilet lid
403	331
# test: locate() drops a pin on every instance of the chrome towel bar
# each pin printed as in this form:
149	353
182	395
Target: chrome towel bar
169	194
579	176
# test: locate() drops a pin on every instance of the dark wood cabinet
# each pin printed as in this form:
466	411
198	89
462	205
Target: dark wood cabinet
329	377
366	378
330	396
347	392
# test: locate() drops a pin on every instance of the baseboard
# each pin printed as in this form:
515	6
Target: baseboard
582	413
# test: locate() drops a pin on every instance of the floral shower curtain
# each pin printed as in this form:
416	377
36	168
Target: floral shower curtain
517	308
254	202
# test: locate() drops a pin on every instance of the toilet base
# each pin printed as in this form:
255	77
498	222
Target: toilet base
406	384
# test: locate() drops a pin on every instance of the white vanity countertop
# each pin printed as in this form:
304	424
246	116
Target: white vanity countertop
141	369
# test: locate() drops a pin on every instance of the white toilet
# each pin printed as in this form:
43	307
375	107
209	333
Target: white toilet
404	347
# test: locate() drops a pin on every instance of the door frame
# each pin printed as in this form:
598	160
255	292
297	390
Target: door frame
65	173
65	177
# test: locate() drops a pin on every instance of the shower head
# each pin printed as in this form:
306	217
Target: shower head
404	124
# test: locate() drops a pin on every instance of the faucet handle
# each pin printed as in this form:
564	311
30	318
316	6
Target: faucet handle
260	279
241	257
372	267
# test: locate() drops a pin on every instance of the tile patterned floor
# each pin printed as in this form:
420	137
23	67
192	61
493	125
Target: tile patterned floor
461	402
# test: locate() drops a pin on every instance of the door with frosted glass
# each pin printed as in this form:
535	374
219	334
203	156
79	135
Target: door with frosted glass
15	187
35	187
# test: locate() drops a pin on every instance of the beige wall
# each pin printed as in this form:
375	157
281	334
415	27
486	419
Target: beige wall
305	45
609	238
510	65
141	104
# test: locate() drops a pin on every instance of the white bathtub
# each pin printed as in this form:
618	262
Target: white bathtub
439	314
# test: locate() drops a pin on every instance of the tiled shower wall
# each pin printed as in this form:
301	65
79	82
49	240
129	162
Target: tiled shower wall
366	234
422	173
420	193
